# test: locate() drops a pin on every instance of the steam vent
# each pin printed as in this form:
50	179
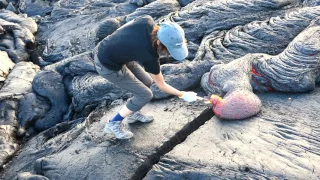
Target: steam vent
254	64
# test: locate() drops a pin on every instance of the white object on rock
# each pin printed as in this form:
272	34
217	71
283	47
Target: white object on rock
5	65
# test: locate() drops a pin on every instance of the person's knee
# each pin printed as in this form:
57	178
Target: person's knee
139	100
148	82
130	64
148	95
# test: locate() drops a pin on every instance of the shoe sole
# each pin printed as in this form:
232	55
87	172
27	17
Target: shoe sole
133	121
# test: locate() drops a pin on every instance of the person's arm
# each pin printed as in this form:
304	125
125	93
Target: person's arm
163	86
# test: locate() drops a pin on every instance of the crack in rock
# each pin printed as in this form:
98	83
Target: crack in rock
167	146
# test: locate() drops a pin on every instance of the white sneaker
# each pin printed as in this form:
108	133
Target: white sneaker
138	116
118	129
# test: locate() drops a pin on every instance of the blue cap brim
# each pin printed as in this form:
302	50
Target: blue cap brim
179	53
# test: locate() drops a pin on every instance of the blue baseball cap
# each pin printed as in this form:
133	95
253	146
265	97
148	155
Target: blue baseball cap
172	36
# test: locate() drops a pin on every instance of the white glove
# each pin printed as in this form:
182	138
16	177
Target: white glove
189	96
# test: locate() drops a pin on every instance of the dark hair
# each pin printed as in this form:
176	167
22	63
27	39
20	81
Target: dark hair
160	48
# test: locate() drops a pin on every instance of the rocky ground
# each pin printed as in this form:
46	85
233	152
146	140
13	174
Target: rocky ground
262	57
281	142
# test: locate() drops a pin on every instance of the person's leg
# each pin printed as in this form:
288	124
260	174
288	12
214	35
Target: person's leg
141	96
146	79
141	93
140	73
125	79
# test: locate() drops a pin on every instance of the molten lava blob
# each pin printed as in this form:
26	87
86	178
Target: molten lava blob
236	105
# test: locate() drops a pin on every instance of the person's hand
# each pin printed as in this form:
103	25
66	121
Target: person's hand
189	96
